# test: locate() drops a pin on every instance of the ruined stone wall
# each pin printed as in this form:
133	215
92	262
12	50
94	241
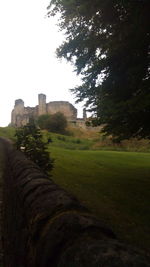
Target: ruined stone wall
29	112
43	225
20	114
62	106
17	113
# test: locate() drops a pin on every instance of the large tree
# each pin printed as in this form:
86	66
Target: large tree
108	42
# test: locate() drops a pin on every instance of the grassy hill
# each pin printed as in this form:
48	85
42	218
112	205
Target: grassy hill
113	184
86	140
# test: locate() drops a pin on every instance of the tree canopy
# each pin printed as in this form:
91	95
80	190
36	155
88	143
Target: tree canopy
108	43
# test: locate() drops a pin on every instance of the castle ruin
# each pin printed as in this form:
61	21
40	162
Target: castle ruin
20	114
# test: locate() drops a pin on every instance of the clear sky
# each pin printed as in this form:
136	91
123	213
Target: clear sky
28	65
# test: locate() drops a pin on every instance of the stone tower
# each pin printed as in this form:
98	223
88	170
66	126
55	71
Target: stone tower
84	114
17	113
19	106
42	104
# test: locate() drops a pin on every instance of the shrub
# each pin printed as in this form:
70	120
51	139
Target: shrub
56	123
29	141
43	121
62	138
77	141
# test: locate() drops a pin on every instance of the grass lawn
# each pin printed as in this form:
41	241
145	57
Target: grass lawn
114	185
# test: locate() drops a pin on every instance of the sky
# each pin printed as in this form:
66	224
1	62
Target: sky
28	63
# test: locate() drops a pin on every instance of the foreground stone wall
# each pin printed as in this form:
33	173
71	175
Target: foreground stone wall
43	225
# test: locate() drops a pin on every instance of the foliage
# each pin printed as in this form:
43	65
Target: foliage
91	121
56	123
108	42
43	121
29	141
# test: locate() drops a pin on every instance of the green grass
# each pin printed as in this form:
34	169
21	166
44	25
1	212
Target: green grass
96	142
7	132
86	140
114	185
69	142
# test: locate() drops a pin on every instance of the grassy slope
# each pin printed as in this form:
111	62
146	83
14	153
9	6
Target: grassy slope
7	132
114	185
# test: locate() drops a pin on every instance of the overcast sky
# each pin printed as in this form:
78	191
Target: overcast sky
28	65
